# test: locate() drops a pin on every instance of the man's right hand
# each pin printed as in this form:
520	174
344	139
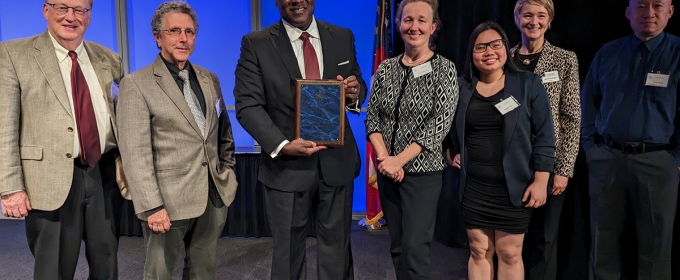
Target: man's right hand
301	148
16	205
159	222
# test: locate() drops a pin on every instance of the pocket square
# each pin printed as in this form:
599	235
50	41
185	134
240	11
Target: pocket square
343	63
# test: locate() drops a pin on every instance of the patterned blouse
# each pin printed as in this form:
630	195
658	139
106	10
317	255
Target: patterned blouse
406	109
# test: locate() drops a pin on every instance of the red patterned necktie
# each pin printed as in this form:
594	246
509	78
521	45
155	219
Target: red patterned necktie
311	62
86	122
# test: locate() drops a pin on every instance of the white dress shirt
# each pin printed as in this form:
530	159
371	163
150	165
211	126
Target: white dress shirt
101	111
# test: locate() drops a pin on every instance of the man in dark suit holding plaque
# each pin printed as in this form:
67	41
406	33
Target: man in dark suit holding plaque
296	171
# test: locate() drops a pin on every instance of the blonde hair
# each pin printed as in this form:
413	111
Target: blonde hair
547	4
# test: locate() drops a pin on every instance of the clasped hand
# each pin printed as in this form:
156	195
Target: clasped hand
392	167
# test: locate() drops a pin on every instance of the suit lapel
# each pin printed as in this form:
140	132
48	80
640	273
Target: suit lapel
512	85
329	67
206	83
47	61
283	47
168	85
542	64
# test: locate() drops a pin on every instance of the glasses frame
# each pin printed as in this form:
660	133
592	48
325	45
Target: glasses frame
77	11
487	45
172	32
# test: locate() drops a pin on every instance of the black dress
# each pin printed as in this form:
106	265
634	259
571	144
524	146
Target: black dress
486	202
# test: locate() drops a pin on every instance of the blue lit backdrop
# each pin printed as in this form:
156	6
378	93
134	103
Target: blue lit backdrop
222	24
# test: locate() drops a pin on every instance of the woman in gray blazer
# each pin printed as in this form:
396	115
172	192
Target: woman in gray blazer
504	143
558	69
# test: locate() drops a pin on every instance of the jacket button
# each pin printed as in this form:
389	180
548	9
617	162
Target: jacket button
70	129
206	142
68	155
204	164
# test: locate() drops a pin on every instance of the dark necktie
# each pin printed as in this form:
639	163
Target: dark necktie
311	62
86	122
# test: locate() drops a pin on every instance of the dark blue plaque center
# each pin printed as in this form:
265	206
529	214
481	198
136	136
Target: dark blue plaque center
320	112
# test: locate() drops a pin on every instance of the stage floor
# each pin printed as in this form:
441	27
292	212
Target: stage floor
238	258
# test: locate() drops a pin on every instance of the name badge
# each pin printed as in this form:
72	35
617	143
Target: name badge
507	105
657	80
218	107
422	69
549	77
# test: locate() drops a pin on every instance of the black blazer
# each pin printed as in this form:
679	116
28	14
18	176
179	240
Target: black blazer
528	132
265	98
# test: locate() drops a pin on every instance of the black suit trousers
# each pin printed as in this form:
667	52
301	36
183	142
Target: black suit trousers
288	214
631	191
540	243
91	213
410	209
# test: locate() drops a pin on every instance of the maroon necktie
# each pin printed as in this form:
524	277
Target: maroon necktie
311	62
86	122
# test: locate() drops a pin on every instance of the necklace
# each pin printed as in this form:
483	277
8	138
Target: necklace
527	61
490	87
415	62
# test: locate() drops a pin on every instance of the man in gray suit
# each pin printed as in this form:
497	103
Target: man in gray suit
177	147
58	143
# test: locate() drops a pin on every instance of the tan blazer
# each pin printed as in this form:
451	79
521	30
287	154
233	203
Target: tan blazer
36	122
167	161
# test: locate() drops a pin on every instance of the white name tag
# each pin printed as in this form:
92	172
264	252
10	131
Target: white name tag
422	69
549	77
657	80
218	107
507	105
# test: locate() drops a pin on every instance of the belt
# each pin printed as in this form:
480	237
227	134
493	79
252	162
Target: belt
636	147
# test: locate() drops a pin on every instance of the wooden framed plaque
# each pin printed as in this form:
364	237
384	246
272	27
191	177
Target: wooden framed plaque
320	111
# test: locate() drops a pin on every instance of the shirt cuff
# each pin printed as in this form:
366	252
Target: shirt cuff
10	192
354	107
276	151
154	211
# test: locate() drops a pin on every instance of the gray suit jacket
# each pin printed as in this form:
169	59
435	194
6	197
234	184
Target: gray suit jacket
167	161
36	135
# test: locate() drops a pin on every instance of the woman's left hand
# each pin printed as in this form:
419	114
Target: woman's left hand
536	194
559	184
389	166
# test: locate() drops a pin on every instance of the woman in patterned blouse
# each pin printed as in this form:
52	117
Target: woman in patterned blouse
411	106
558	69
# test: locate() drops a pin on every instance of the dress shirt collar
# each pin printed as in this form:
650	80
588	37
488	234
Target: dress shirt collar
294	32
62	53
651	44
174	70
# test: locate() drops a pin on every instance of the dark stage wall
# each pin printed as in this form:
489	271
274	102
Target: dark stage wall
582	26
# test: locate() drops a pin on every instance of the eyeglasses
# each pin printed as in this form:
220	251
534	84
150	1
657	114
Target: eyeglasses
61	9
481	47
176	32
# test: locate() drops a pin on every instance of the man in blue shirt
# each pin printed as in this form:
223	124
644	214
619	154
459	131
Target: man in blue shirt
630	133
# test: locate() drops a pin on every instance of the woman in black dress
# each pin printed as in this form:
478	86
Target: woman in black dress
504	143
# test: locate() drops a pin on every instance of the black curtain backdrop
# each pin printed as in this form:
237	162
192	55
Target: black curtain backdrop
582	26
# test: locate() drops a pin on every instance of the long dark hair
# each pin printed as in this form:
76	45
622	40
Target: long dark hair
470	69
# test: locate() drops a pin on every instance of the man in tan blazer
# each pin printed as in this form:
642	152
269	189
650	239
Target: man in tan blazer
58	143
177	148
